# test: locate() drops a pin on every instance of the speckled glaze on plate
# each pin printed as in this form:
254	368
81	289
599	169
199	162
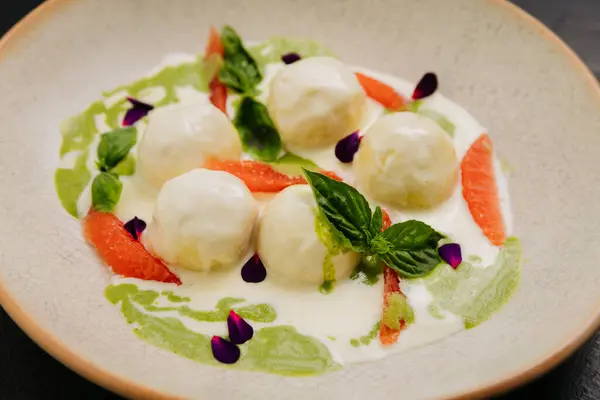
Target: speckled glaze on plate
541	105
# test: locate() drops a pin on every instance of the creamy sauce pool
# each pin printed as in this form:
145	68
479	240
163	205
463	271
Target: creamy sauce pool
341	318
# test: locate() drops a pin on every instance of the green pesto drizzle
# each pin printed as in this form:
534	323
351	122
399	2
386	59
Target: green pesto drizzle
368	338
476	293
173	298
434	310
147	298
270	51
70	182
324	235
276	349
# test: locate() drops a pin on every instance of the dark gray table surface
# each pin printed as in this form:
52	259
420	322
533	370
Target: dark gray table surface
27	372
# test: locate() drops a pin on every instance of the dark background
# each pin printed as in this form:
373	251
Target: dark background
27	372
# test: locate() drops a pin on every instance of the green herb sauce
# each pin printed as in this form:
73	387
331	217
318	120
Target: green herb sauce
324	235
70	183
173	298
434	310
271	50
146	298
277	349
368	338
476	293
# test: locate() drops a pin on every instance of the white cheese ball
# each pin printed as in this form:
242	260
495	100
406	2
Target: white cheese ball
406	160
182	137
202	220
288	243
315	102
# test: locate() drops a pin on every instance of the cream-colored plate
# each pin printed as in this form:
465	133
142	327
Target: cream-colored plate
542	107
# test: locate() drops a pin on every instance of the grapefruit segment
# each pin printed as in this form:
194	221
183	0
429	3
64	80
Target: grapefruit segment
480	190
119	250
381	93
260	177
391	284
214	45
218	91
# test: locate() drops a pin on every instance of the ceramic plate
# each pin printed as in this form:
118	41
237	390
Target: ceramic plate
538	101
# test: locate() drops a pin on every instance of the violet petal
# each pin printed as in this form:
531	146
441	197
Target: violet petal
224	351
426	86
254	270
290	58
135	227
347	147
239	330
451	254
138	111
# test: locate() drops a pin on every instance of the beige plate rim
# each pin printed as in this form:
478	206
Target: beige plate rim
130	389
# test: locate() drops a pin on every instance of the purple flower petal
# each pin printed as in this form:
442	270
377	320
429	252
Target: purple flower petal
224	351
254	270
239	330
290	58
451	254
137	112
135	227
426	86
347	147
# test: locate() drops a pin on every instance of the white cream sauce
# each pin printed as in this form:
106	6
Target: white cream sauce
352	309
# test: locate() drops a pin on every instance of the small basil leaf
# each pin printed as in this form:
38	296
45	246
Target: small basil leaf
412	234
114	147
376	222
257	131
412	248
412	263
240	72
106	191
439	119
344	207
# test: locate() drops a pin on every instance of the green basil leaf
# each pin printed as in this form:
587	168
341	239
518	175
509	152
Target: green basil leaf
411	248
411	235
239	72
106	191
412	263
439	119
345	208
114	147
257	131
376	222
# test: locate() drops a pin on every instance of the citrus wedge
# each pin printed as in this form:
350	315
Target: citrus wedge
381	93
480	190
260	177
119	250
218	91
391	284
